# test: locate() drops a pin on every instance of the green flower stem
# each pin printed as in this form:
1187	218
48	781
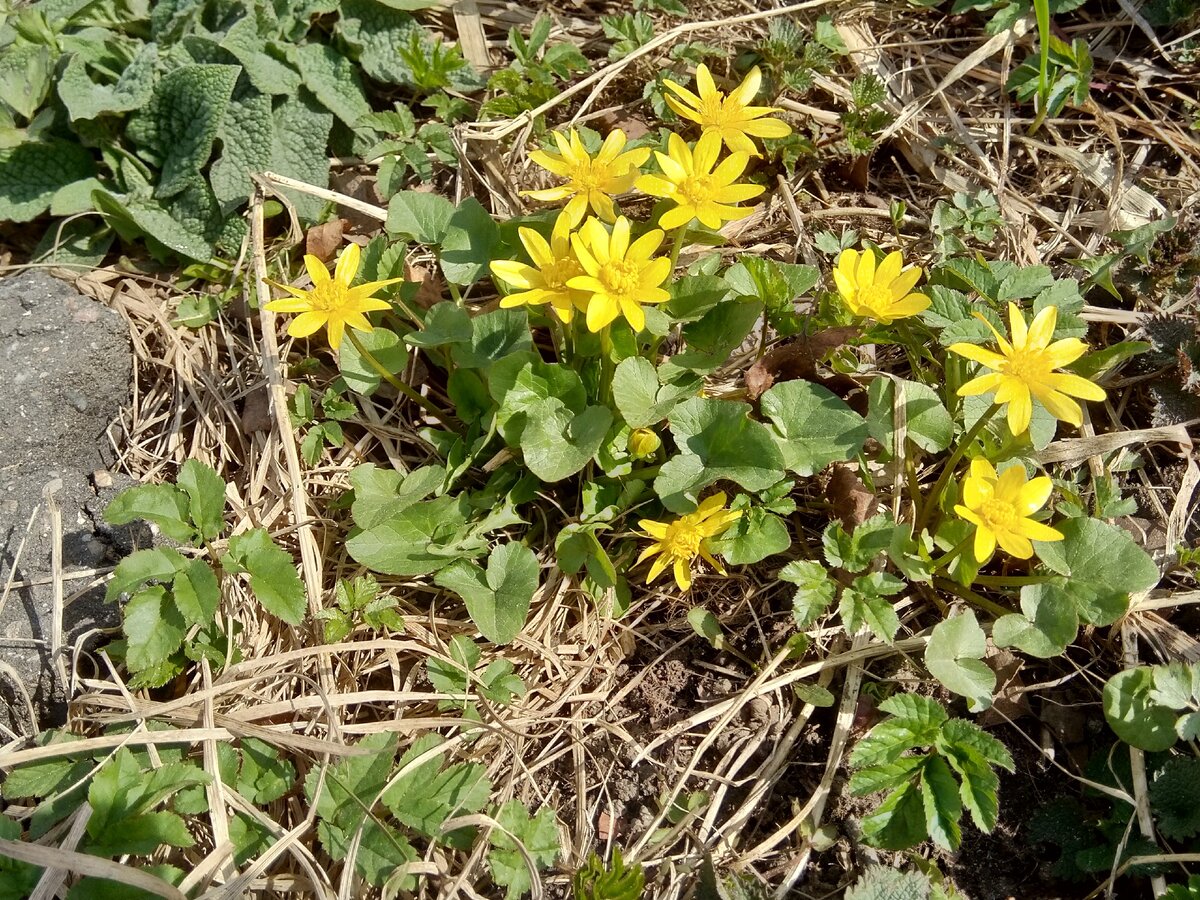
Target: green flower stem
424	402
970	596
1014	580
455	292
934	498
952	554
677	245
607	367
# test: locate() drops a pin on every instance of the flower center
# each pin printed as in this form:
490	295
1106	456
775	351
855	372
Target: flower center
329	296
999	514
1027	365
875	297
587	177
557	273
712	109
620	276
682	541
696	189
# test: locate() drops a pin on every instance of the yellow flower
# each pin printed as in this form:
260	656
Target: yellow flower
699	192
881	292
999	506
554	264
331	302
731	118
643	443
590	181
620	276
678	543
1025	369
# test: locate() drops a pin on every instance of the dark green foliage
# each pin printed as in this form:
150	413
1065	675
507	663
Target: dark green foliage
616	881
1175	798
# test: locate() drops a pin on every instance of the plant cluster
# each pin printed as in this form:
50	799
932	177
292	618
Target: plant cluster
151	117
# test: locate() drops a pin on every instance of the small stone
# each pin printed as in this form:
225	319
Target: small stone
102	478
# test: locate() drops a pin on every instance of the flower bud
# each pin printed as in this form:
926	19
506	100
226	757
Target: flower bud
643	443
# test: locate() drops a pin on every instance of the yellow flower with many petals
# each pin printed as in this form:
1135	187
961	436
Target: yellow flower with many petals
591	181
1025	368
332	302
678	543
880	292
699	192
731	118
554	264
999	506
621	276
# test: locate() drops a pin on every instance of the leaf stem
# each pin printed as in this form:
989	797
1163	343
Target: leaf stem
934	497
677	244
422	401
952	554
970	596
1014	580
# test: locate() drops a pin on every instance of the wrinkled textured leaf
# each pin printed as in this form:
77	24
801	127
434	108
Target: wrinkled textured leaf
334	81
31	174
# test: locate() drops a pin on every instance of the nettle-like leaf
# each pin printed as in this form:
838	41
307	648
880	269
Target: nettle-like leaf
813	426
954	657
1101	566
883	883
865	602
425	795
537	834
924	799
1175	798
855	551
497	599
272	572
815	590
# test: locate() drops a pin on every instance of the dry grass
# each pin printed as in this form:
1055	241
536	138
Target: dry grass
217	395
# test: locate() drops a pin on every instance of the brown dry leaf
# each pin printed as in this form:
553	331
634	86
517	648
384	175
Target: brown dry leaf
853	502
795	359
431	284
256	411
1011	700
633	126
323	241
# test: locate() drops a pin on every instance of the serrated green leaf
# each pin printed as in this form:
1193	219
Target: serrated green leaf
349	790
940	799
813	426
206	494
334	81
264	775
866	602
196	592
954	657
884	777
815	590
157	564
924	712
498	600
1102	565
272	572
753	537
31	173
154	628
25	76
538	835
1175	798
899	822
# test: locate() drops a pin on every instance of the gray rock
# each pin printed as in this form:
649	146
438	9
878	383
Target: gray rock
65	366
